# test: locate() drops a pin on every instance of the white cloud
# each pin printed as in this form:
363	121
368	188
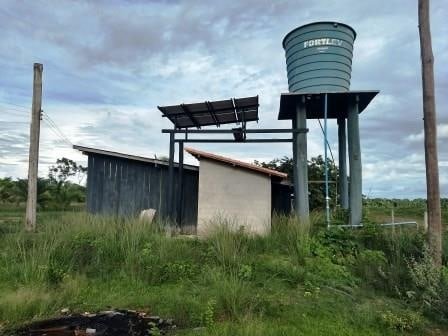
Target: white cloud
108	65
442	133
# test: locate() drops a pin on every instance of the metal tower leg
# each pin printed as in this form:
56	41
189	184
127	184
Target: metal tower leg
354	155
301	164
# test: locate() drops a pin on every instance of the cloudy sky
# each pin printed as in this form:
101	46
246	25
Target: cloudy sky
108	64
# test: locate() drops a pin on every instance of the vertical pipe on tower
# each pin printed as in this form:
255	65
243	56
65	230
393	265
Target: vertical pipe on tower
342	149
327	196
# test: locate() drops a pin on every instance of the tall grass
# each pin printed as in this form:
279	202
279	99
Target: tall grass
228	245
293	235
89	262
93	245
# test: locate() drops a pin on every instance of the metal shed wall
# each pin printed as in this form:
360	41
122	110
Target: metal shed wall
281	198
124	187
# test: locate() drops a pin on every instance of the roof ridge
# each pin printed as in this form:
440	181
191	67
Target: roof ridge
198	153
112	153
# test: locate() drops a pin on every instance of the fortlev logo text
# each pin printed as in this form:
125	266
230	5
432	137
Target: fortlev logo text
322	42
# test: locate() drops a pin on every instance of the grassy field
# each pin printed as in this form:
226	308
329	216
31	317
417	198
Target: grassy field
300	280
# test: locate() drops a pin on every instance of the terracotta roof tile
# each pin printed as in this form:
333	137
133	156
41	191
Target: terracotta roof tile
198	154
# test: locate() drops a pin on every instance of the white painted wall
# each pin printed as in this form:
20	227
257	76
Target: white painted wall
233	195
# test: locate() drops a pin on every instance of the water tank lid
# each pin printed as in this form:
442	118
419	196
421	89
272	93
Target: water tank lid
319	22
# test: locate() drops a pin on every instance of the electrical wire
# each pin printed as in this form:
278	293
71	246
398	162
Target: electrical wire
10	109
23	111
14	117
55	129
44	116
56	132
17	105
13	122
55	126
67	142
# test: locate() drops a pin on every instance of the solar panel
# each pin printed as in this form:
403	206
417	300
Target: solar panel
216	113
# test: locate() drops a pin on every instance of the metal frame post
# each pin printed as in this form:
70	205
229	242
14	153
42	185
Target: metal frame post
342	149
301	164
181	184
170	203
175	210
354	155
294	162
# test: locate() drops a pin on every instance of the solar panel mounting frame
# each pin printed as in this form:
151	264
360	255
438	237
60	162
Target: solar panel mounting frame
217	113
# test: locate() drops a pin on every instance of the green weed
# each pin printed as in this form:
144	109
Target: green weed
301	279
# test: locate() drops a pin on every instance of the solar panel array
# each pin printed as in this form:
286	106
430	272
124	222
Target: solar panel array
216	113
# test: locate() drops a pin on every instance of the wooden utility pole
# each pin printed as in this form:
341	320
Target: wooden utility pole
430	130
31	203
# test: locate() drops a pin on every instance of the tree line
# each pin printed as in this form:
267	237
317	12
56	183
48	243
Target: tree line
62	187
316	177
316	187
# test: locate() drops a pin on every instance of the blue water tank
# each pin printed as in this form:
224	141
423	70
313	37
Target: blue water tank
319	57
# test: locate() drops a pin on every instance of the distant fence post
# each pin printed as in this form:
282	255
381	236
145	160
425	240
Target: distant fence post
392	215
425	221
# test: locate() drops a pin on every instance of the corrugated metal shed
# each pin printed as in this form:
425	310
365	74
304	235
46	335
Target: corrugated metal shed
123	185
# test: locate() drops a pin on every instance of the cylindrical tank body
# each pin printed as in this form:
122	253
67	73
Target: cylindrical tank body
319	57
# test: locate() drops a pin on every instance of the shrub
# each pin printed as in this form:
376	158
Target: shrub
402	321
398	247
322	271
339	242
164	259
173	271
340	216
55	274
208	317
371	267
245	272
405	243
431	285
83	249
280	267
445	247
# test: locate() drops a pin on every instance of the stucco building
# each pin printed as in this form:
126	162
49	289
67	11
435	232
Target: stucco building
236	193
